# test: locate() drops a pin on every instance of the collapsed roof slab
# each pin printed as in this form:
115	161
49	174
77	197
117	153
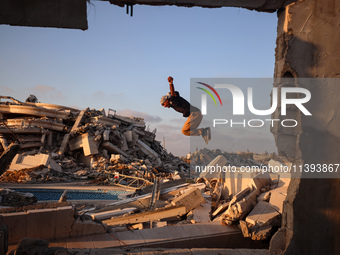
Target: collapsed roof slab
44	13
32	110
258	5
26	130
49	124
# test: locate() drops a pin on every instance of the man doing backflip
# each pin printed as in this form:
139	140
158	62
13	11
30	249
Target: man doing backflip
194	115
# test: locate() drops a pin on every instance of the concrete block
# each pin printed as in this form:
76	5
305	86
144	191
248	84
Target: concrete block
241	208
260	180
106	135
148	216
238	196
137	226
125	145
105	120
117	158
17	226
128	136
277	197
64	222
216	163
90	147
147	150
221	209
202	213
262	233
76	143
55	166
41	223
244	228
86	142
262	214
264	196
112	213
29	161
190	199
159	224
113	149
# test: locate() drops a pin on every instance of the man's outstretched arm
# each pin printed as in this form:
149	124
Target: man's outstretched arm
172	88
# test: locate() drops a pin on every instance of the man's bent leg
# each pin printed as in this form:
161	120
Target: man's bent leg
192	123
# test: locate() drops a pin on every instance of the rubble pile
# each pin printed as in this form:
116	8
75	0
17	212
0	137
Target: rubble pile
258	208
60	144
253	200
172	205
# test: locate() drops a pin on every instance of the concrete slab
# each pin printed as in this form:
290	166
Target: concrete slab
64	221
185	236
147	150
131	237
157	235
276	200
91	228
261	180
20	162
38	218
262	233
217	162
262	214
76	228
190	199
105	240
264	196
202	213
17	226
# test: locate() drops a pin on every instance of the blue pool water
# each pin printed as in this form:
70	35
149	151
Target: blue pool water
54	194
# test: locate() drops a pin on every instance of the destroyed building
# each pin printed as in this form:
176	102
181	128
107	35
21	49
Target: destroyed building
307	46
59	144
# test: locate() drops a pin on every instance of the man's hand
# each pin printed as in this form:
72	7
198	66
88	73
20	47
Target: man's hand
170	79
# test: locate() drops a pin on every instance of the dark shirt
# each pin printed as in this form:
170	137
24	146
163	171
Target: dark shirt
181	105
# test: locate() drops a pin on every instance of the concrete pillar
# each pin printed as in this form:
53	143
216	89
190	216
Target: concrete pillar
308	47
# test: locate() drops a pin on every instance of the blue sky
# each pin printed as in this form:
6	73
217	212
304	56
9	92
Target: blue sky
123	62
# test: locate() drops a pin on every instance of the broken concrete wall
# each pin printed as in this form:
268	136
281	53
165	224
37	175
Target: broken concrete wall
308	47
42	13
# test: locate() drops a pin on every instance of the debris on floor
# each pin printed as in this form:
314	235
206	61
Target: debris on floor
45	143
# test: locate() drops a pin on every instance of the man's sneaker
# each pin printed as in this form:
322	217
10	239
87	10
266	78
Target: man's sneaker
206	135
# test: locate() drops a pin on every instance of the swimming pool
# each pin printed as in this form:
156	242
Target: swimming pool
72	194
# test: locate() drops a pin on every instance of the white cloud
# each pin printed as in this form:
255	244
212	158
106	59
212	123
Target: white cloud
5	91
147	117
46	92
